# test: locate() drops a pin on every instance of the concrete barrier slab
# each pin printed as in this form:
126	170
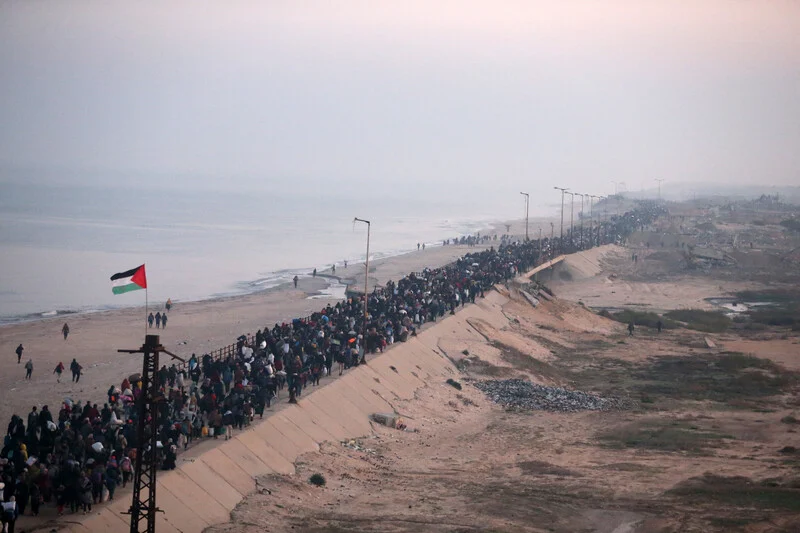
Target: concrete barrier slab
369	380
366	396
103	520
425	363
303	420
401	361
400	384
386	375
245	456
281	443
341	411
216	486
323	420
303	443
194	497
235	475
304	423
177	514
262	444
363	400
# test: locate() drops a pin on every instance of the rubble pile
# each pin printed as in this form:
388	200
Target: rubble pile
521	394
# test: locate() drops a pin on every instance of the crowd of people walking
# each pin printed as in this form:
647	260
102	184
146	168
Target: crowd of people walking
76	456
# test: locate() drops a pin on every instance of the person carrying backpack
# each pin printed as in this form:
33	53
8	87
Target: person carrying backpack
59	369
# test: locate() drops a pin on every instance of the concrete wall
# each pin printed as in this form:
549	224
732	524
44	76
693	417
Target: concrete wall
209	483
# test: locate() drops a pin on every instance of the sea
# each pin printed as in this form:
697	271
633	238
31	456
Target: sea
60	244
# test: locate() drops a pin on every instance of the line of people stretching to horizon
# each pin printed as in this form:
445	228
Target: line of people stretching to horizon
78	456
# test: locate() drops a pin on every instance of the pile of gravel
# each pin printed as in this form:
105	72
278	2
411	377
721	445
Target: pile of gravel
521	394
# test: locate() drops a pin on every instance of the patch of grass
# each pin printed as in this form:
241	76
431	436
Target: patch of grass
737	491
317	480
781	316
639	318
475	365
790	420
791	224
773	296
675	436
536	468
729	522
729	377
524	362
700	320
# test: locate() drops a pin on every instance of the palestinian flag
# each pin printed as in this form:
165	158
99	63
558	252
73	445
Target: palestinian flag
130	280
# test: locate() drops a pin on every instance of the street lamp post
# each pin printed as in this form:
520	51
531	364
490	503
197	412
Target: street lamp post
561	238
659	180
527	197
581	216
571	218
591	221
366	291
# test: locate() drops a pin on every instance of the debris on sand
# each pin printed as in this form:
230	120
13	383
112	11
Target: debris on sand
521	394
388	420
454	383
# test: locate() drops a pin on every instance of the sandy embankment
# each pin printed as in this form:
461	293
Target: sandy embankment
193	327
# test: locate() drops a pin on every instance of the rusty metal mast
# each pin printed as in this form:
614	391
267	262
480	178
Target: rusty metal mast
143	507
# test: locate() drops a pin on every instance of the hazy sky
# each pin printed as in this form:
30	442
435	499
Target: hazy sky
437	94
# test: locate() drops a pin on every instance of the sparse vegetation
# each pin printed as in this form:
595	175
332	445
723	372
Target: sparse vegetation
791	224
730	377
639	318
317	480
701	320
786	316
664	435
783	309
738	491
523	361
453	383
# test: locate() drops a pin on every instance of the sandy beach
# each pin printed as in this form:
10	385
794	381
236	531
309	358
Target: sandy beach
193	327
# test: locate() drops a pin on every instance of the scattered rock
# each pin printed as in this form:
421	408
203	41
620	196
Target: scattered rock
521	394
357	446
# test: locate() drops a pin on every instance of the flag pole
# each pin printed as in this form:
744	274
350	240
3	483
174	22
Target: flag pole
145	311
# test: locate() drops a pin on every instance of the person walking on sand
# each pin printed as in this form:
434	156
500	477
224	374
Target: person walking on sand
345	263
158	320
659	325
164	321
333	269
65	330
59	369
314	273
18	351
630	329
29	369
295	279
168	305
75	368
150	319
